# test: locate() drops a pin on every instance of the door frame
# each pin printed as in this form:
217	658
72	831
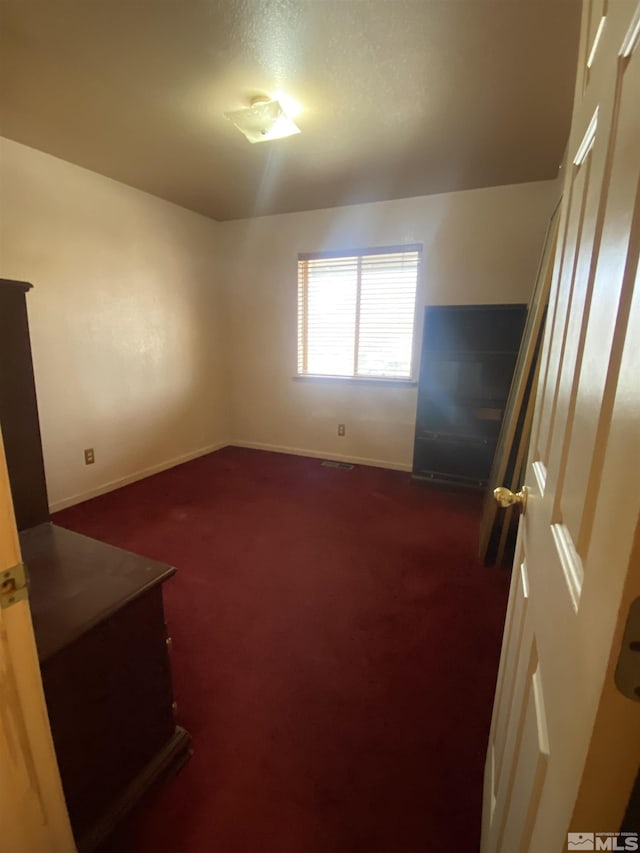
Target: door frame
33	812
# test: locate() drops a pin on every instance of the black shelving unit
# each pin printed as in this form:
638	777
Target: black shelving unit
468	357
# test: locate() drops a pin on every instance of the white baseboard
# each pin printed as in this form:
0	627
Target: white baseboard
132	478
317	454
202	451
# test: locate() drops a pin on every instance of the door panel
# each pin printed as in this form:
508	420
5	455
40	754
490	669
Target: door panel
583	193
573	574
532	762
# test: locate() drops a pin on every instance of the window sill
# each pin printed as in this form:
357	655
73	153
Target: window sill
356	380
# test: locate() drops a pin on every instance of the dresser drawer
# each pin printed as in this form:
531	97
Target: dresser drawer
110	698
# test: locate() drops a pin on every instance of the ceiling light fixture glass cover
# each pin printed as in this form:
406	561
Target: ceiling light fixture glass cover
263	120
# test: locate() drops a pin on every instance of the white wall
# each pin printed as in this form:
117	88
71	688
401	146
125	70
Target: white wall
127	321
480	246
158	334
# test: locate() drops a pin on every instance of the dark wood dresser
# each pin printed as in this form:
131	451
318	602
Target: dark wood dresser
98	620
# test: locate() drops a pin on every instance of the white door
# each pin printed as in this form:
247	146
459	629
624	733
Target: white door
564	746
33	815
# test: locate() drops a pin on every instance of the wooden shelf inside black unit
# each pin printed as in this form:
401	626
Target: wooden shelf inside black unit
447	436
463	354
434	478
468	357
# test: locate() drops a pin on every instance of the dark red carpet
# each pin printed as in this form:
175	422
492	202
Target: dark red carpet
335	653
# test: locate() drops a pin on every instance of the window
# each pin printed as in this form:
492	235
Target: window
356	312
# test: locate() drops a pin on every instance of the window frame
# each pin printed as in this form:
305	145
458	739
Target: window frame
407	381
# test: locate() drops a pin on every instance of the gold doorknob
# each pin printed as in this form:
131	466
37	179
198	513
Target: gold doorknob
506	497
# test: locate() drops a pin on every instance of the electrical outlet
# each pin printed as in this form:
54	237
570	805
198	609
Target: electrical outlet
341	429
89	458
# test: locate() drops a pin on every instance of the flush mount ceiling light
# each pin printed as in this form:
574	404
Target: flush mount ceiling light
265	119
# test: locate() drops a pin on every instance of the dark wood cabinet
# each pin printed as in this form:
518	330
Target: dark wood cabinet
19	409
98	620
467	361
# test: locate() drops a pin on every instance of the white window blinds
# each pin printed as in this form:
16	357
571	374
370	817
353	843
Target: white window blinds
356	312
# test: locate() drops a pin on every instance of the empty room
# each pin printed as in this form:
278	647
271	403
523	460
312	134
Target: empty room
319	426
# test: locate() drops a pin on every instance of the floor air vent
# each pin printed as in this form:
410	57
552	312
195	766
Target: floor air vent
329	463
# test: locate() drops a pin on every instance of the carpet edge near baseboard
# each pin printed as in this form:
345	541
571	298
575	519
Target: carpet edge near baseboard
321	454
112	485
143	473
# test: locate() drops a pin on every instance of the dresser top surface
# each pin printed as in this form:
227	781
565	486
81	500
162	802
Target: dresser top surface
14	284
76	582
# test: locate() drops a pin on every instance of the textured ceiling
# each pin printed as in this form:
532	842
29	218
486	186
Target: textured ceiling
400	97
